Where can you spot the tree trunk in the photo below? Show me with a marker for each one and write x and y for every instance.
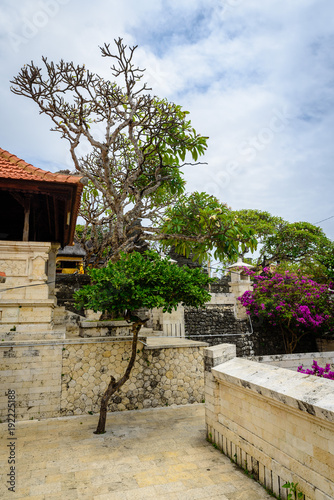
(115, 385)
(290, 339)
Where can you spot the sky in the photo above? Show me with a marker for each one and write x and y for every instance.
(257, 78)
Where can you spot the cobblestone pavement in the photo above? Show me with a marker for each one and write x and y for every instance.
(147, 454)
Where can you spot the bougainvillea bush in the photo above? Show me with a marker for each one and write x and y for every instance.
(317, 370)
(296, 304)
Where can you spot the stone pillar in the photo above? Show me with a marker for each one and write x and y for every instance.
(26, 301)
(214, 356)
(51, 270)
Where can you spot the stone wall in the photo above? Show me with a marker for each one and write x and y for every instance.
(277, 425)
(67, 377)
(217, 319)
(27, 296)
(34, 373)
(160, 377)
(216, 324)
(221, 285)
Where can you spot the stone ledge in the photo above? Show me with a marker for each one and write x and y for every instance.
(12, 338)
(28, 302)
(67, 341)
(96, 324)
(167, 342)
(104, 328)
(301, 392)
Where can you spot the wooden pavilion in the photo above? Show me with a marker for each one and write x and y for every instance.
(36, 205)
(38, 212)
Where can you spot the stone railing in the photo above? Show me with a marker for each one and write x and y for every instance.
(276, 425)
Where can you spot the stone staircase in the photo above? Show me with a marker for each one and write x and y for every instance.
(62, 318)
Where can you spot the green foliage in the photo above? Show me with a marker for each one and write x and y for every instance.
(143, 281)
(326, 259)
(293, 493)
(199, 224)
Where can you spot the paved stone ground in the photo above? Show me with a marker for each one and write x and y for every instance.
(147, 454)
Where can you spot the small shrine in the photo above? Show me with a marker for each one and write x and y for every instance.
(70, 259)
(240, 283)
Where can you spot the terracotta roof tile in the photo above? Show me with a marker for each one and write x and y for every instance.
(12, 167)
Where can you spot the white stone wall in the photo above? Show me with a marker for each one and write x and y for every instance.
(33, 371)
(277, 425)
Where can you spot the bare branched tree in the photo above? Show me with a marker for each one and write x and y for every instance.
(135, 145)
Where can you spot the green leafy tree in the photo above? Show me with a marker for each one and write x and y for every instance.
(198, 223)
(297, 245)
(135, 146)
(326, 259)
(138, 281)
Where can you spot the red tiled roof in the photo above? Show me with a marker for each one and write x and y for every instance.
(22, 176)
(12, 167)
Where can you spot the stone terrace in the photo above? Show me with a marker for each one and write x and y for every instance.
(146, 454)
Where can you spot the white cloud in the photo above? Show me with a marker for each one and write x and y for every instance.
(234, 64)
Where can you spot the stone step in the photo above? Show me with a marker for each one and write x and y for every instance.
(66, 319)
(150, 332)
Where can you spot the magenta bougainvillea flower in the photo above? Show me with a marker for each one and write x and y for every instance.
(297, 304)
(317, 370)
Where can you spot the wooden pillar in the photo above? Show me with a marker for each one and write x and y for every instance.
(26, 207)
(25, 202)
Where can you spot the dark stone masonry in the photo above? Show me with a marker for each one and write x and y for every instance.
(216, 324)
(66, 285)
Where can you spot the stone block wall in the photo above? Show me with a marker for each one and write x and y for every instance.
(66, 285)
(27, 299)
(67, 377)
(278, 426)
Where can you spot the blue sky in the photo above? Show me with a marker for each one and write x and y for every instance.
(257, 78)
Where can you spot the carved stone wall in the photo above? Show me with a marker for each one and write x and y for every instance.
(26, 298)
